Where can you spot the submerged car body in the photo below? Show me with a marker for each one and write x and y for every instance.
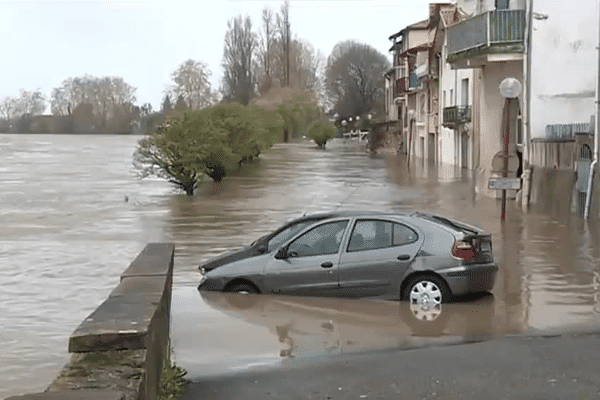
(415, 256)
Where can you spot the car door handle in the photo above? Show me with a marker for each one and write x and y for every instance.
(327, 264)
(404, 257)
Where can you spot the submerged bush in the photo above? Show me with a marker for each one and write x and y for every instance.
(321, 132)
(209, 142)
(184, 151)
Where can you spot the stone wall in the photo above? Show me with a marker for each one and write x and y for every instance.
(119, 350)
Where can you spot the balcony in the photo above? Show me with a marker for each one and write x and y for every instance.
(488, 37)
(456, 115)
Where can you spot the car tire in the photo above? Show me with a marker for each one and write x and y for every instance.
(243, 288)
(429, 288)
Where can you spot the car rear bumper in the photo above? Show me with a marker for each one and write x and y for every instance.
(471, 278)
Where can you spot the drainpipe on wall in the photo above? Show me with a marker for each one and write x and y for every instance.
(588, 197)
(526, 176)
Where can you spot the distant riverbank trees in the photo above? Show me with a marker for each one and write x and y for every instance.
(84, 104)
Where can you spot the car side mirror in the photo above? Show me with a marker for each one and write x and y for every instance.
(262, 248)
(281, 254)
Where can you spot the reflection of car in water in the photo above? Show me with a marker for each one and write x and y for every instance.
(313, 325)
(419, 257)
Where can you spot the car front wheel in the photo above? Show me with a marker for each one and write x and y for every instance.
(243, 288)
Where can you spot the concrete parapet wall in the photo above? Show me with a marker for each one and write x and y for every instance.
(552, 189)
(121, 347)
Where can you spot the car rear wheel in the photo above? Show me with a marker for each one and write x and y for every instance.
(243, 288)
(426, 292)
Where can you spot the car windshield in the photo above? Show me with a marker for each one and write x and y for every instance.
(287, 233)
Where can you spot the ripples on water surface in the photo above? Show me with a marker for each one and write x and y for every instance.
(73, 217)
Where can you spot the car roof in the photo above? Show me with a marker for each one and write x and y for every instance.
(350, 213)
(447, 223)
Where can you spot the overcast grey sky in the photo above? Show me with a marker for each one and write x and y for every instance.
(47, 41)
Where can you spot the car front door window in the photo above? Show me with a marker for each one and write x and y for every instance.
(287, 233)
(324, 239)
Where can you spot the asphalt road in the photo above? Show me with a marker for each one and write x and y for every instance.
(514, 367)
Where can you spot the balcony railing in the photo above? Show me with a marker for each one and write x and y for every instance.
(456, 115)
(493, 28)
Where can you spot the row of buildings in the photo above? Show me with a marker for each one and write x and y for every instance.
(444, 102)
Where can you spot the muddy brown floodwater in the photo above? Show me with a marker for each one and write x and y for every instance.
(73, 216)
(548, 278)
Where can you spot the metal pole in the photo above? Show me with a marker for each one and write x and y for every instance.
(588, 198)
(506, 137)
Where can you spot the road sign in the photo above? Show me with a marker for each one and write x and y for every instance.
(504, 183)
(498, 163)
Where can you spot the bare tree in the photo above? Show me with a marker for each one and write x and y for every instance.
(8, 107)
(285, 39)
(304, 64)
(265, 52)
(31, 102)
(192, 83)
(354, 77)
(240, 44)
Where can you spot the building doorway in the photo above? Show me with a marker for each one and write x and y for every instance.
(464, 150)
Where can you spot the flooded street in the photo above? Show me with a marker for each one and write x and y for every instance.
(74, 216)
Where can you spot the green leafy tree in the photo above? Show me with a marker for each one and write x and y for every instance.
(321, 132)
(184, 151)
(269, 124)
(244, 134)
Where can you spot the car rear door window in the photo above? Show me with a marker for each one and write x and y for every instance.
(370, 234)
(404, 235)
(323, 239)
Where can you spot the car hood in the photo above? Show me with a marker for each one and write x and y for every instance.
(228, 258)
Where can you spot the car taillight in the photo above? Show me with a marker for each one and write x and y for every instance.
(463, 250)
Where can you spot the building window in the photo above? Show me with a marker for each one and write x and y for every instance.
(502, 4)
(451, 100)
(464, 84)
(519, 127)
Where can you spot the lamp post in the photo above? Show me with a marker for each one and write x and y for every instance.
(510, 89)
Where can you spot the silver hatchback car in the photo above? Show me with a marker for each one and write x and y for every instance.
(423, 258)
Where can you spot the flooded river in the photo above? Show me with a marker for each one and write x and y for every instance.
(73, 216)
